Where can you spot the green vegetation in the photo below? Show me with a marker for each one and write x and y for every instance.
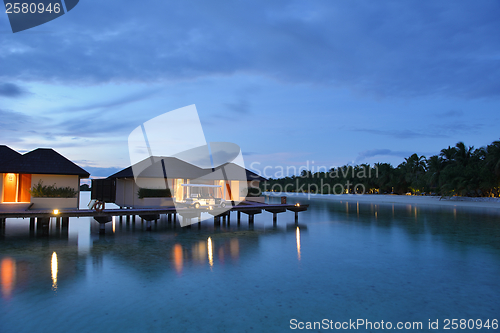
(85, 187)
(458, 170)
(153, 193)
(252, 192)
(51, 191)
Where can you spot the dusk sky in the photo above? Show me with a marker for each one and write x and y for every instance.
(333, 82)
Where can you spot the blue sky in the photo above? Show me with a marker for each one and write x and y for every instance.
(332, 82)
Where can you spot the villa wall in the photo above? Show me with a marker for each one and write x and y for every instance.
(59, 181)
(127, 194)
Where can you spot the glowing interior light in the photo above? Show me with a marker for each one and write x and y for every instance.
(210, 252)
(297, 204)
(56, 211)
(54, 268)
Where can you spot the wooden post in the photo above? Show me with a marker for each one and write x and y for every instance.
(32, 226)
(65, 227)
(275, 217)
(239, 217)
(228, 217)
(102, 228)
(2, 228)
(169, 219)
(148, 225)
(296, 217)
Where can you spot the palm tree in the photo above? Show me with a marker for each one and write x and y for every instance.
(448, 154)
(435, 164)
(463, 154)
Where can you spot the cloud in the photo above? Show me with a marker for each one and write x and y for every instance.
(403, 134)
(381, 152)
(14, 121)
(112, 103)
(388, 49)
(441, 130)
(249, 153)
(450, 114)
(101, 172)
(12, 90)
(241, 107)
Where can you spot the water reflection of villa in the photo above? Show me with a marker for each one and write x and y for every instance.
(169, 253)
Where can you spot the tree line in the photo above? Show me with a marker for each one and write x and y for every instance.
(458, 170)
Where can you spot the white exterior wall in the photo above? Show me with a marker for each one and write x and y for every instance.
(127, 194)
(59, 180)
(72, 181)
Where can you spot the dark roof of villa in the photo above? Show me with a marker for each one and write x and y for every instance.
(231, 171)
(7, 154)
(176, 168)
(152, 168)
(42, 161)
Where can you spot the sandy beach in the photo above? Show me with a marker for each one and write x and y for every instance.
(399, 199)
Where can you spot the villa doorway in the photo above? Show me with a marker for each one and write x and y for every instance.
(16, 187)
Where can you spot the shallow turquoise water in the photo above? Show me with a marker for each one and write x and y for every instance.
(344, 262)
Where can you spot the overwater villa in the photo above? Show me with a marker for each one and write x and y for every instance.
(229, 182)
(38, 180)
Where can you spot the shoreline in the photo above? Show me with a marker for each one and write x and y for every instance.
(397, 199)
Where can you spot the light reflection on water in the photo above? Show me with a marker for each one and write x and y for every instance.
(210, 252)
(386, 262)
(8, 273)
(53, 268)
(297, 237)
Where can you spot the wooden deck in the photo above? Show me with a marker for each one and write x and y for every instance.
(249, 208)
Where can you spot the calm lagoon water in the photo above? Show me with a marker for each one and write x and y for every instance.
(344, 261)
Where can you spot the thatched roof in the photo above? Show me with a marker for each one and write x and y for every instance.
(7, 154)
(41, 161)
(176, 168)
